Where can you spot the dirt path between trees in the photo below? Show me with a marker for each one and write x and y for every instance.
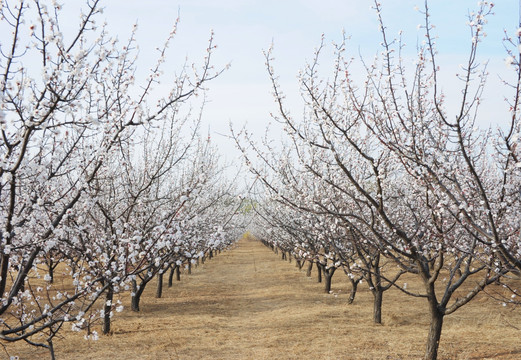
(248, 304)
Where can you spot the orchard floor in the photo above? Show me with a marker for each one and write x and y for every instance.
(246, 303)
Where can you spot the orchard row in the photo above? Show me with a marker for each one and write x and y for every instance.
(380, 177)
(102, 185)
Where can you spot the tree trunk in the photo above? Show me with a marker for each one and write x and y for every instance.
(159, 289)
(319, 273)
(433, 341)
(136, 295)
(328, 275)
(310, 267)
(51, 349)
(51, 271)
(354, 286)
(377, 307)
(327, 283)
(4, 272)
(171, 276)
(107, 309)
(190, 267)
(177, 273)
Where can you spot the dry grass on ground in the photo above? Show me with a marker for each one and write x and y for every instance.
(248, 304)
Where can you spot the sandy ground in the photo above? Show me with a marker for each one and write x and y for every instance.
(246, 303)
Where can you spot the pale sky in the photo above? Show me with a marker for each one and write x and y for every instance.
(244, 28)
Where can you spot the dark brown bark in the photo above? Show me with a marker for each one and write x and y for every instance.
(51, 271)
(354, 287)
(377, 306)
(107, 309)
(177, 273)
(51, 350)
(300, 264)
(136, 297)
(171, 276)
(159, 289)
(319, 273)
(310, 267)
(327, 282)
(4, 266)
(433, 341)
(328, 276)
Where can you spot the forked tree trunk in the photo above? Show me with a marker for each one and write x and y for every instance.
(328, 275)
(159, 289)
(107, 309)
(310, 267)
(136, 295)
(300, 264)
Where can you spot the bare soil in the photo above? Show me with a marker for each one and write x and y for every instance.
(246, 303)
